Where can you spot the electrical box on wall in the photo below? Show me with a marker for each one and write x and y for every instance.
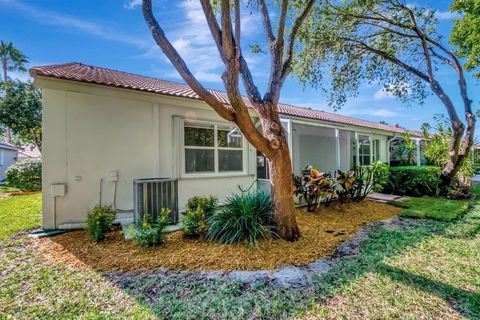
(58, 189)
(113, 175)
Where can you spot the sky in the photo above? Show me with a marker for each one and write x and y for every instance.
(113, 34)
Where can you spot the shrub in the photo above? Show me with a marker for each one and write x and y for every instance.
(208, 204)
(312, 186)
(25, 175)
(357, 183)
(194, 223)
(99, 222)
(151, 233)
(244, 218)
(414, 181)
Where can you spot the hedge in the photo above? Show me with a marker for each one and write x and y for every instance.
(25, 175)
(414, 181)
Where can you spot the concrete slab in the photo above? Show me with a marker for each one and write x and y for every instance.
(382, 196)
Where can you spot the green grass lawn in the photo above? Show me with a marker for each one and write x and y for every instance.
(18, 213)
(428, 269)
(4, 189)
(433, 208)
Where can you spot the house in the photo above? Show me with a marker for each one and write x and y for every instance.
(8, 156)
(103, 129)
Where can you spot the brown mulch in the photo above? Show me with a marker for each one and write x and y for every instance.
(321, 233)
(20, 193)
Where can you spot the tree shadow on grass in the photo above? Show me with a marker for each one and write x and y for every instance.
(463, 301)
(196, 296)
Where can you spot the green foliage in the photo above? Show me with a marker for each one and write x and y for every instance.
(244, 218)
(433, 208)
(437, 148)
(405, 152)
(21, 110)
(414, 181)
(381, 174)
(314, 186)
(25, 175)
(208, 204)
(194, 223)
(99, 222)
(357, 183)
(150, 233)
(12, 58)
(466, 32)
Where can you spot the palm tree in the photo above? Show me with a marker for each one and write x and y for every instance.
(425, 127)
(12, 60)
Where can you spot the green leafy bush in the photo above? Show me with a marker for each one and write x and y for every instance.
(194, 223)
(151, 233)
(99, 222)
(208, 204)
(314, 186)
(414, 181)
(357, 183)
(194, 220)
(25, 175)
(244, 218)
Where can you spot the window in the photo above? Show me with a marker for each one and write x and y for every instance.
(262, 166)
(1, 158)
(212, 148)
(364, 150)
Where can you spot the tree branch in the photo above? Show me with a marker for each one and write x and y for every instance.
(286, 68)
(267, 24)
(180, 65)
(213, 26)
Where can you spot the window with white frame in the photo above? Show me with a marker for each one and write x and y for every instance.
(364, 146)
(213, 148)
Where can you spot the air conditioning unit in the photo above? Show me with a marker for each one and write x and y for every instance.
(151, 195)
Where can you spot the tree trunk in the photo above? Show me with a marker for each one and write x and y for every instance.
(282, 201)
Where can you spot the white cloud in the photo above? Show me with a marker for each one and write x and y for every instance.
(132, 4)
(69, 22)
(381, 94)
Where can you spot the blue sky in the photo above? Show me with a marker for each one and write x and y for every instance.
(112, 33)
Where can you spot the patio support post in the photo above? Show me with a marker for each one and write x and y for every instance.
(418, 152)
(337, 147)
(357, 150)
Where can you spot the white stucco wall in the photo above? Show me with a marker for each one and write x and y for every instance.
(7, 158)
(90, 132)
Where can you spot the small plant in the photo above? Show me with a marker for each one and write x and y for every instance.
(414, 181)
(313, 186)
(244, 218)
(357, 183)
(208, 204)
(194, 223)
(25, 175)
(151, 233)
(99, 222)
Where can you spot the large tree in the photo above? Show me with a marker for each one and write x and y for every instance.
(21, 110)
(272, 141)
(12, 60)
(466, 33)
(393, 44)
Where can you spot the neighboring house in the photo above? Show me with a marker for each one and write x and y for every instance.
(27, 152)
(104, 128)
(8, 156)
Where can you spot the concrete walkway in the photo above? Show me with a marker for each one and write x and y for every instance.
(381, 197)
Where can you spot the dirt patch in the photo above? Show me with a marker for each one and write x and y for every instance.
(321, 234)
(19, 193)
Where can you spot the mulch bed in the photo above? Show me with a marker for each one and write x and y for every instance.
(321, 234)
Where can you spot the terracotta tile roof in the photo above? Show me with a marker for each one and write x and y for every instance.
(86, 73)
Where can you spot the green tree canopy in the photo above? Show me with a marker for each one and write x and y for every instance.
(466, 33)
(386, 42)
(21, 110)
